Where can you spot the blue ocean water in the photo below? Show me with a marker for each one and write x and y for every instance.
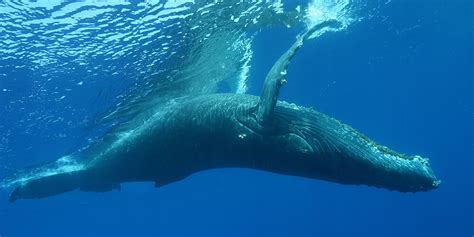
(400, 72)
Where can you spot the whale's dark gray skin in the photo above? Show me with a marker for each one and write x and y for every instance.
(197, 133)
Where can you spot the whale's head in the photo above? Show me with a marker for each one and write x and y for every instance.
(304, 142)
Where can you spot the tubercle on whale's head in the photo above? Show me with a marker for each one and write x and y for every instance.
(318, 146)
(433, 182)
(397, 171)
(417, 173)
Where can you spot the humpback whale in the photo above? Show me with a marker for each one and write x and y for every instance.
(195, 133)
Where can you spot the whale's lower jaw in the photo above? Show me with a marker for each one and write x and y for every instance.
(410, 176)
(414, 176)
(395, 175)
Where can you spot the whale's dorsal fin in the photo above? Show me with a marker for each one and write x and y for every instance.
(276, 77)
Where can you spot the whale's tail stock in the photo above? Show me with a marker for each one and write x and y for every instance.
(55, 184)
(63, 175)
(47, 186)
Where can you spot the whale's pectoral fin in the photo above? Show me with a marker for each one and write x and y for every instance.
(276, 77)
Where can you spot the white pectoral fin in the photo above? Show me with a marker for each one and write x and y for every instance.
(276, 77)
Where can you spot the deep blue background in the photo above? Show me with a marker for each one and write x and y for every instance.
(406, 82)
